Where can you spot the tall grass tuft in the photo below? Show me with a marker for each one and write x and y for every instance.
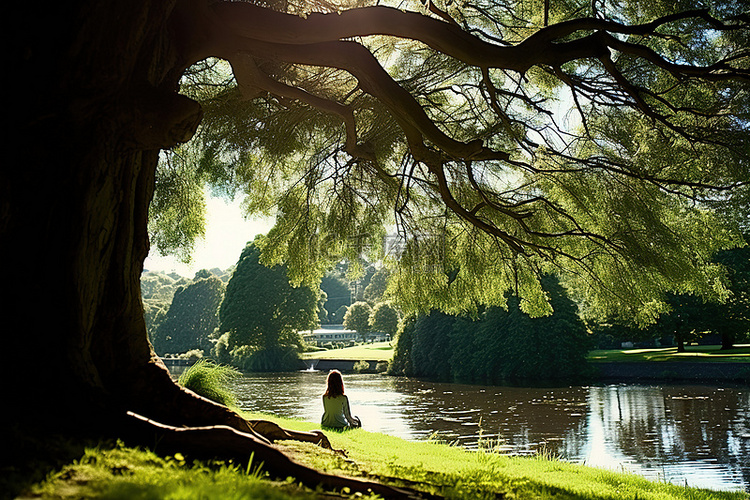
(210, 380)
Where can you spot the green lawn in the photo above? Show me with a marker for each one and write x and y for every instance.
(741, 353)
(383, 351)
(115, 472)
(377, 351)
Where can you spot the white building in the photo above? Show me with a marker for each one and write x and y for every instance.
(331, 333)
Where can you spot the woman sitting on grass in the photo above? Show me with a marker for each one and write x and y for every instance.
(336, 412)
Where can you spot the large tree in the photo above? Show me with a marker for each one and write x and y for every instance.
(357, 318)
(192, 316)
(263, 313)
(443, 114)
(384, 318)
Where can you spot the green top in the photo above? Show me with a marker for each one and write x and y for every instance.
(336, 412)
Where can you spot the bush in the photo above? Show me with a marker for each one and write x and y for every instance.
(274, 359)
(401, 364)
(221, 349)
(314, 348)
(361, 366)
(192, 354)
(210, 381)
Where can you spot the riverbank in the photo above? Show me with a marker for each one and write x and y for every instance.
(692, 354)
(436, 468)
(376, 351)
(697, 363)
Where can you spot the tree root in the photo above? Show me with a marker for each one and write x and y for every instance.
(273, 432)
(224, 442)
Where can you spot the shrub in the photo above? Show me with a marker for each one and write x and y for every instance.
(361, 366)
(192, 354)
(274, 359)
(210, 381)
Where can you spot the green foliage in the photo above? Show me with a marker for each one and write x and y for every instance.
(498, 346)
(690, 318)
(664, 241)
(732, 319)
(192, 316)
(338, 316)
(154, 313)
(262, 313)
(430, 350)
(357, 318)
(194, 354)
(157, 292)
(489, 186)
(384, 318)
(211, 381)
(281, 358)
(377, 286)
(337, 293)
(361, 366)
(401, 364)
(177, 214)
(161, 286)
(322, 311)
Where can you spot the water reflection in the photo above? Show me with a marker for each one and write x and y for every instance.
(698, 435)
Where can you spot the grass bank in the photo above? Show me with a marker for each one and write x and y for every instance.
(377, 351)
(703, 353)
(118, 473)
(383, 351)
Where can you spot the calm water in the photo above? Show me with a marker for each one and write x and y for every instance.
(699, 435)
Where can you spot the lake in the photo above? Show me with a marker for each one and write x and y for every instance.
(683, 434)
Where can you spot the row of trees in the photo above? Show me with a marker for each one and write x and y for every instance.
(691, 319)
(250, 318)
(497, 344)
(500, 344)
(366, 320)
(341, 290)
(191, 316)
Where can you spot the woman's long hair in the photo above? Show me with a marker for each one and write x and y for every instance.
(334, 384)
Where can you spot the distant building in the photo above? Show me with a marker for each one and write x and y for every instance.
(331, 333)
(336, 334)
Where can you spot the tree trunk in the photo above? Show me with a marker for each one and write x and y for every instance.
(93, 100)
(679, 338)
(727, 340)
(75, 200)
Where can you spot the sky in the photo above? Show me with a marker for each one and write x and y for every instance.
(227, 233)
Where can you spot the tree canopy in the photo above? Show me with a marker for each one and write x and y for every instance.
(384, 318)
(498, 345)
(192, 316)
(262, 312)
(357, 318)
(500, 140)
